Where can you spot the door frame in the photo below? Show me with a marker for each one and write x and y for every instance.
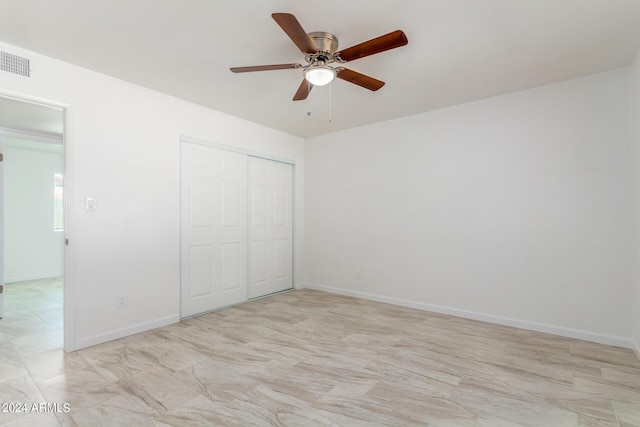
(68, 282)
(240, 150)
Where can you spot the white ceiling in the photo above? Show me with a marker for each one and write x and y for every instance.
(458, 51)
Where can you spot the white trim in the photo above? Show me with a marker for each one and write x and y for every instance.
(121, 333)
(68, 278)
(483, 317)
(31, 136)
(38, 100)
(293, 226)
(180, 154)
(234, 149)
(32, 277)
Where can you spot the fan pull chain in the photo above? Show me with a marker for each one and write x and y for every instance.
(330, 103)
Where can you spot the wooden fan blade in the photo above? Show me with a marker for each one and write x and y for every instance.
(386, 42)
(303, 90)
(294, 30)
(359, 79)
(264, 68)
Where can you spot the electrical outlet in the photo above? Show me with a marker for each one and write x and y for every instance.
(122, 301)
(358, 274)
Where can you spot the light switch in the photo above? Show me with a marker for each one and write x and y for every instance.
(90, 204)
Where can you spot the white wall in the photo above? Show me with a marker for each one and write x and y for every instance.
(33, 249)
(514, 209)
(636, 157)
(123, 147)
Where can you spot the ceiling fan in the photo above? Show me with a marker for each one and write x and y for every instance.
(320, 49)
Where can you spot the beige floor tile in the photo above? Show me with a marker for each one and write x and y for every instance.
(308, 358)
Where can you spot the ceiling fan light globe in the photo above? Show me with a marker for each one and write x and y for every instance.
(319, 75)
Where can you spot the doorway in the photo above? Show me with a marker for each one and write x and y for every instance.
(32, 232)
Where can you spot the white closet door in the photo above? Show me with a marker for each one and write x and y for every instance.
(214, 229)
(270, 226)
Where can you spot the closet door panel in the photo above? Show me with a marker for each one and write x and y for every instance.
(270, 226)
(213, 229)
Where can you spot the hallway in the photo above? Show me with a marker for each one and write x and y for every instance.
(33, 317)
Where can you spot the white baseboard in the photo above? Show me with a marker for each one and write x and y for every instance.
(484, 317)
(32, 277)
(121, 333)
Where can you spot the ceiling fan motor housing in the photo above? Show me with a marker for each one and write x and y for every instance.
(326, 45)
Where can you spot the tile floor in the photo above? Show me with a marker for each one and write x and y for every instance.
(307, 358)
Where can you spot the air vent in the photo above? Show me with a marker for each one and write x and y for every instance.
(14, 64)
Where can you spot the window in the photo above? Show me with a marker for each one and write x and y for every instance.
(58, 223)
